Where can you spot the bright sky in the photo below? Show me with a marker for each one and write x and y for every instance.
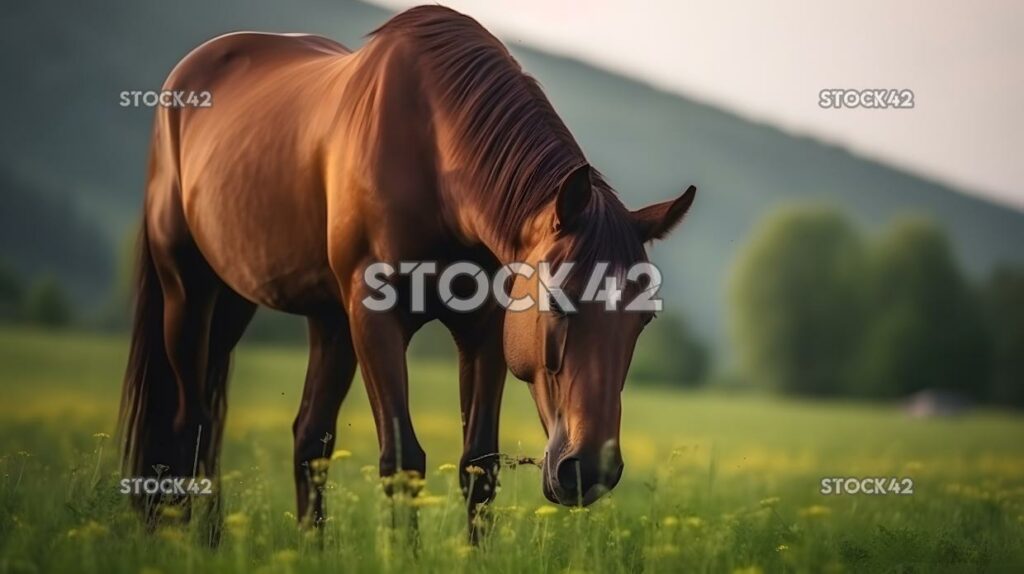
(964, 61)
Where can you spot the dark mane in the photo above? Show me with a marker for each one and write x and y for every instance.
(518, 151)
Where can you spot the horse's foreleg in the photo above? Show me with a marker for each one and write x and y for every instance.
(380, 340)
(332, 364)
(482, 371)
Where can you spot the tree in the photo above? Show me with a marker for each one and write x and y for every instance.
(796, 309)
(926, 330)
(117, 312)
(11, 294)
(47, 305)
(669, 352)
(1004, 306)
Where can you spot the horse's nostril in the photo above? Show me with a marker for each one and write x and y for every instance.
(579, 481)
(569, 474)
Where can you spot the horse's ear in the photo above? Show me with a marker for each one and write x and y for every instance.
(656, 221)
(573, 197)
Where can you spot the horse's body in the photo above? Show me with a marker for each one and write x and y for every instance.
(300, 128)
(428, 144)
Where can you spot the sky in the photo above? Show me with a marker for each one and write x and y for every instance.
(768, 61)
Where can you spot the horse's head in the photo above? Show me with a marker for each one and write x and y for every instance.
(576, 356)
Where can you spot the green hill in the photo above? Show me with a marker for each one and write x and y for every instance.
(45, 235)
(69, 137)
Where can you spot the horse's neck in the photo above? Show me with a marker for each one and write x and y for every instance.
(475, 222)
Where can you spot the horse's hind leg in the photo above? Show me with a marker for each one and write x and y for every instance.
(332, 364)
(198, 353)
(190, 291)
(231, 315)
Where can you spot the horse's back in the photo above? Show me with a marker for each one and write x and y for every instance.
(246, 169)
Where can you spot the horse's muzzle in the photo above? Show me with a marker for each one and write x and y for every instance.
(576, 479)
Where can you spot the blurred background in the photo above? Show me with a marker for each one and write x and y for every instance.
(870, 254)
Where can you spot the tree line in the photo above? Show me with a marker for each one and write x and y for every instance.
(819, 308)
(41, 302)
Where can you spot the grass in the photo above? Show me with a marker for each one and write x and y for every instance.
(718, 483)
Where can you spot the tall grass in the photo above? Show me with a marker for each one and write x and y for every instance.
(712, 484)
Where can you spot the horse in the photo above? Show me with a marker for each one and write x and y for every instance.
(315, 162)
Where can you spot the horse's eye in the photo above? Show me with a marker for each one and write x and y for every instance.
(555, 307)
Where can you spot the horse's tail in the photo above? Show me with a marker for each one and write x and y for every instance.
(149, 397)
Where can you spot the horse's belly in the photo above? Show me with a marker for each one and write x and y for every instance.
(267, 248)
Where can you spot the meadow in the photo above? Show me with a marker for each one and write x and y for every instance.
(714, 482)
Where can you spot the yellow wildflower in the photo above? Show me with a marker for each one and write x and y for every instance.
(422, 501)
(172, 512)
(546, 510)
(286, 556)
(662, 550)
(236, 520)
(91, 529)
(815, 511)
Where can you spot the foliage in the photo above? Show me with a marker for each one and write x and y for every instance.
(117, 312)
(12, 294)
(816, 311)
(1004, 302)
(44, 232)
(796, 314)
(926, 329)
(669, 352)
(46, 304)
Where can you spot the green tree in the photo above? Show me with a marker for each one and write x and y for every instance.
(47, 305)
(926, 328)
(796, 310)
(669, 352)
(1004, 305)
(117, 313)
(12, 294)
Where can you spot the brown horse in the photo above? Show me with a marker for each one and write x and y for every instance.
(314, 162)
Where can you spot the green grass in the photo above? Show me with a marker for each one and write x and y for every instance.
(713, 482)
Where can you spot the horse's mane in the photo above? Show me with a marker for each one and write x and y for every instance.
(516, 148)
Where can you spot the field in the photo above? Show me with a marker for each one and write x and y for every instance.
(714, 482)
